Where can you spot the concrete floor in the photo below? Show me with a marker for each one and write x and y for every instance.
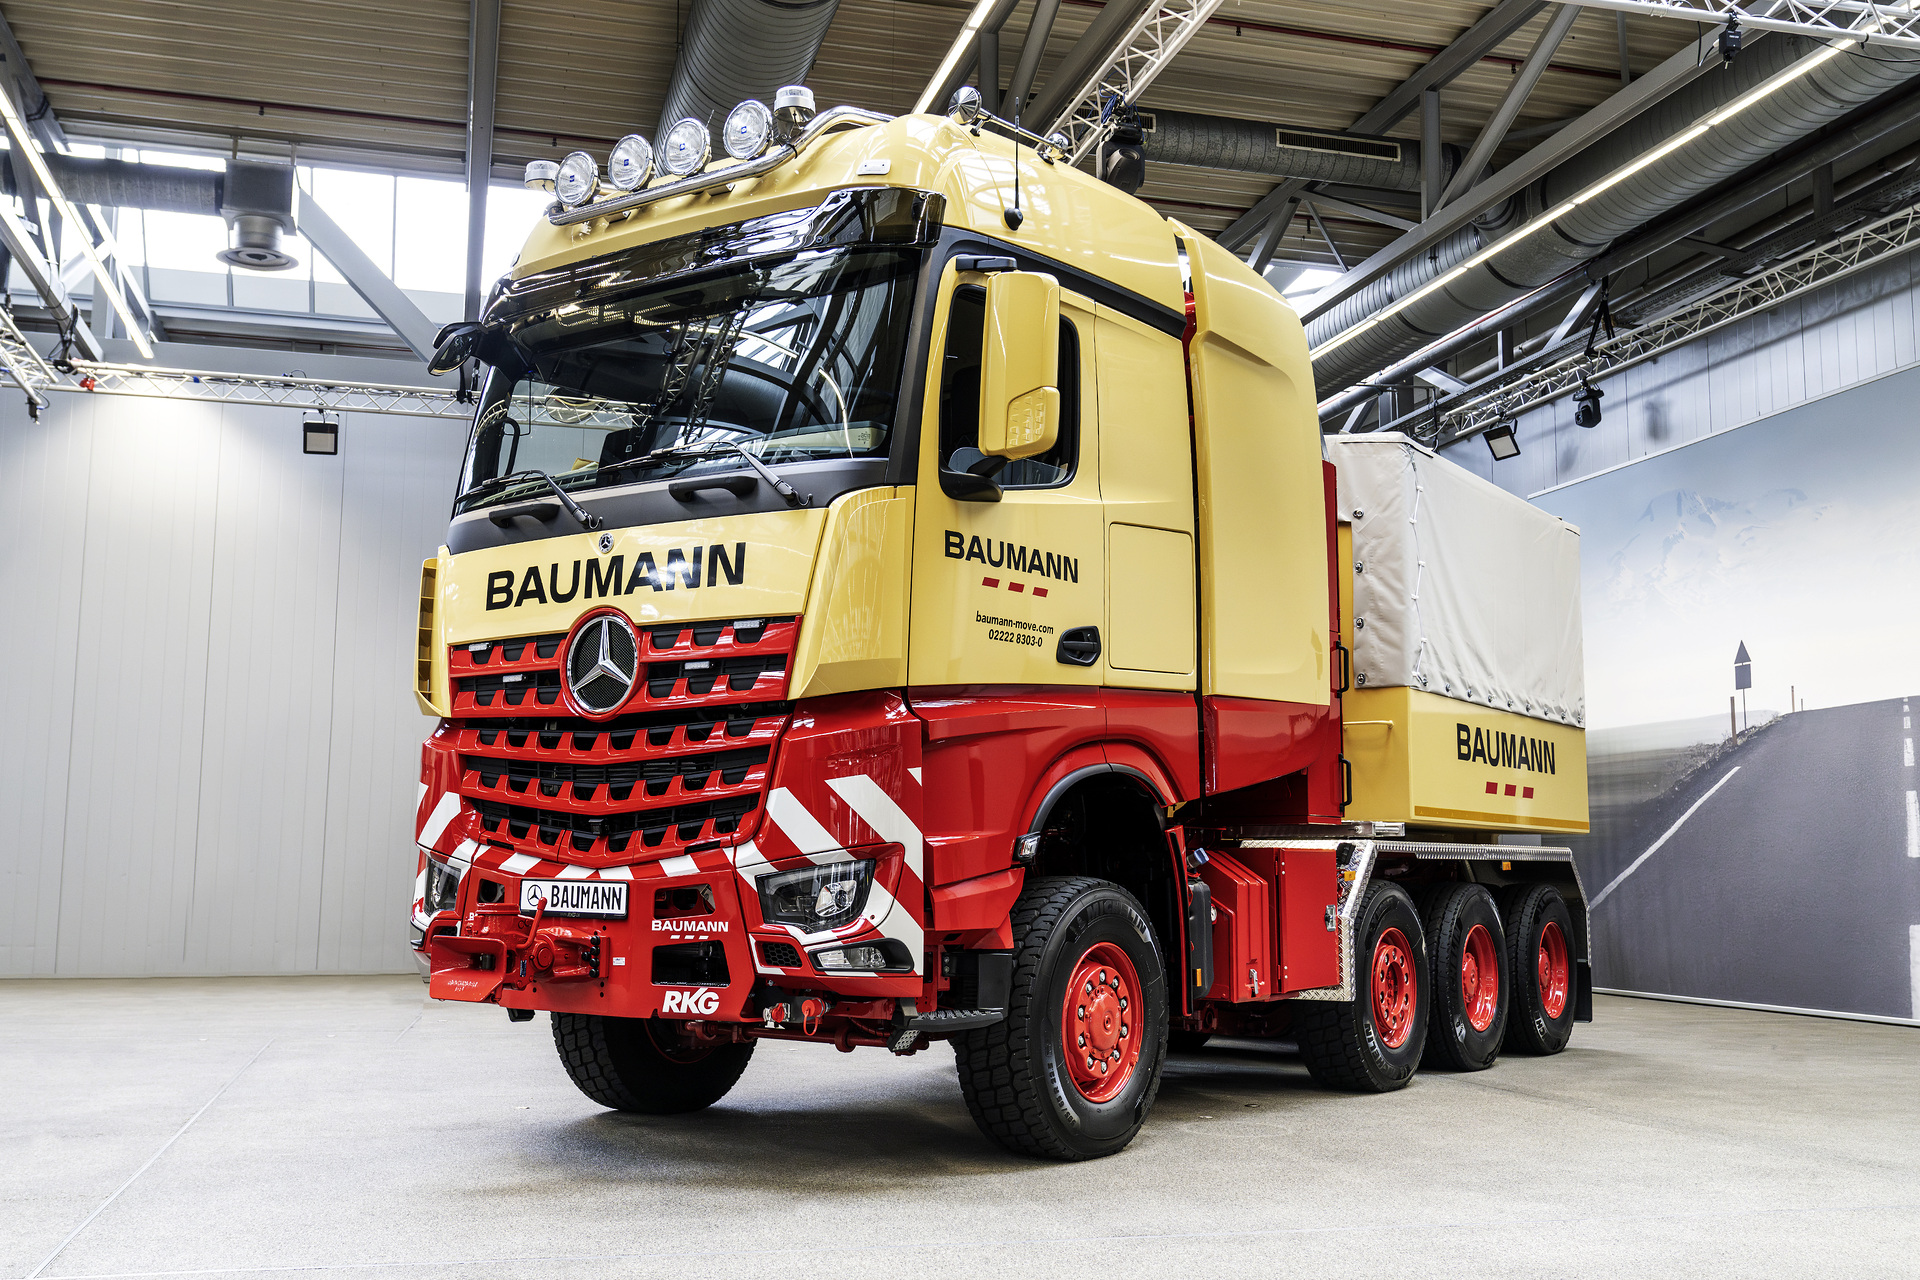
(240, 1127)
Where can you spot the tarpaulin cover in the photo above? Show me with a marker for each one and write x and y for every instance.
(1459, 588)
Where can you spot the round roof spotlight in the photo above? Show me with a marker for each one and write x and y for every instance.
(540, 175)
(685, 148)
(629, 162)
(579, 175)
(748, 129)
(792, 110)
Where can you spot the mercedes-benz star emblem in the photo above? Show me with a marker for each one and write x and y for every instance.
(606, 543)
(601, 663)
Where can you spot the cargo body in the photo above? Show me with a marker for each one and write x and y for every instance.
(868, 622)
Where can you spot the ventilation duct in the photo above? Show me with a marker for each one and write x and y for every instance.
(1282, 151)
(1795, 110)
(255, 199)
(731, 50)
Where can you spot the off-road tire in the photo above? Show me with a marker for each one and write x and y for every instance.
(1179, 1041)
(620, 1063)
(1449, 915)
(1013, 1074)
(1340, 1043)
(1528, 910)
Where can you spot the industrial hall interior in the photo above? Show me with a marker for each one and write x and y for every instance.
(678, 638)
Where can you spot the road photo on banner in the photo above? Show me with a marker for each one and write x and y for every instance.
(1749, 682)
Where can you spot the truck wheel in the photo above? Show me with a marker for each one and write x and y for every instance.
(1072, 1070)
(1467, 956)
(1540, 960)
(643, 1064)
(1372, 1043)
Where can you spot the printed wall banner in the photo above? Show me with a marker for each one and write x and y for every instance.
(1778, 865)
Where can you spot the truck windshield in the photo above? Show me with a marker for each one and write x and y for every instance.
(793, 359)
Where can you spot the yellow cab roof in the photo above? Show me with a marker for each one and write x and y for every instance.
(1071, 216)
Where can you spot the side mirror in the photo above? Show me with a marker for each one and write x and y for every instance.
(454, 345)
(1020, 365)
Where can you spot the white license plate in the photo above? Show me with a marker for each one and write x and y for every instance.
(600, 899)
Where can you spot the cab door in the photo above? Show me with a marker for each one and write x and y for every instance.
(997, 586)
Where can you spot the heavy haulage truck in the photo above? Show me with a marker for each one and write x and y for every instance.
(898, 592)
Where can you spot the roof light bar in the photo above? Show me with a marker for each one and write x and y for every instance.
(23, 142)
(1758, 93)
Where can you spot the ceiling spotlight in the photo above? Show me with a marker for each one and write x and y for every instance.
(1500, 441)
(540, 175)
(685, 148)
(629, 162)
(1730, 37)
(748, 129)
(1588, 400)
(579, 175)
(317, 435)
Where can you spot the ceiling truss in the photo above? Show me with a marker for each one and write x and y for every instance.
(1855, 251)
(1895, 24)
(1150, 44)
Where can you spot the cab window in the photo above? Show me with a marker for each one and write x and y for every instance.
(960, 396)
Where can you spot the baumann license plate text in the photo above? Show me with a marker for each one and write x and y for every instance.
(602, 899)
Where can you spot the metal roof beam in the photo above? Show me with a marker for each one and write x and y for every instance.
(1471, 45)
(1518, 91)
(483, 75)
(368, 280)
(1337, 205)
(1039, 28)
(1609, 115)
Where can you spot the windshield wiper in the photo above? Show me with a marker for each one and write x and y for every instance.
(792, 497)
(587, 519)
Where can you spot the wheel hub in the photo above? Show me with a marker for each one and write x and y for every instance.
(1553, 970)
(1393, 988)
(1479, 978)
(1099, 1022)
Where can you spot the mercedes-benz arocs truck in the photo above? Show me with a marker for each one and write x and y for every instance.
(897, 591)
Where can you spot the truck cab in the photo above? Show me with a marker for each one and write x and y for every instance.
(893, 594)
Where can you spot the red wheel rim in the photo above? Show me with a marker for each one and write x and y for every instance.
(1100, 1024)
(1553, 970)
(1479, 978)
(1393, 988)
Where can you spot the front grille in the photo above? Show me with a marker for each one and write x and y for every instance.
(686, 762)
(688, 823)
(694, 773)
(691, 664)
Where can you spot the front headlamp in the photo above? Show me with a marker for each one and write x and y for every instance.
(887, 956)
(629, 162)
(443, 887)
(685, 148)
(578, 176)
(816, 898)
(747, 130)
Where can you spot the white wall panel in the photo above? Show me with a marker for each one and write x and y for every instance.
(211, 741)
(1851, 332)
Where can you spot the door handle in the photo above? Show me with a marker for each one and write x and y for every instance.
(1079, 647)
